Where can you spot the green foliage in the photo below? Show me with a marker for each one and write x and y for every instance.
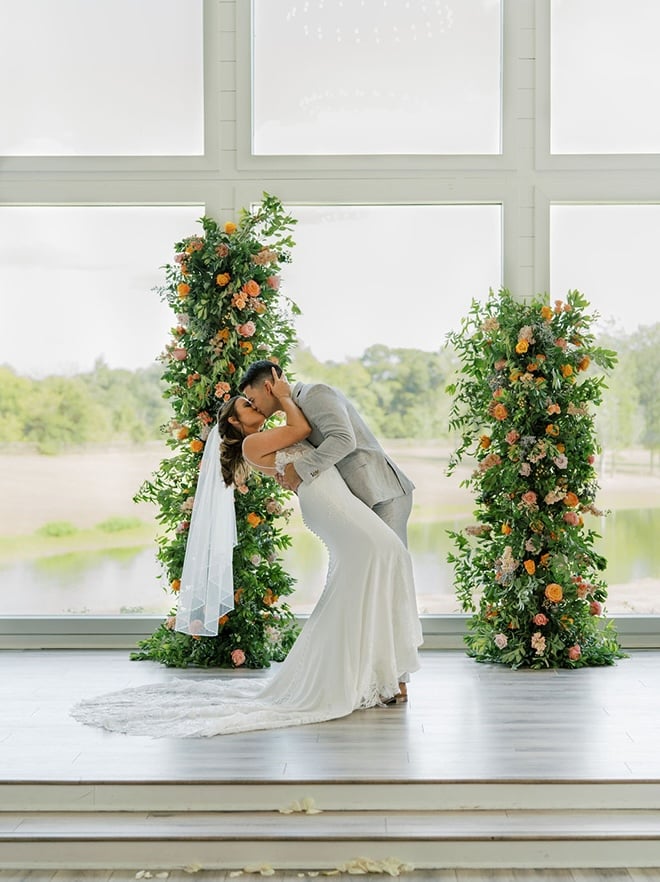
(223, 287)
(118, 524)
(523, 407)
(57, 529)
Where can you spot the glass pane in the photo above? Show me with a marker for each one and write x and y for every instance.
(605, 76)
(379, 288)
(610, 254)
(109, 77)
(376, 77)
(80, 405)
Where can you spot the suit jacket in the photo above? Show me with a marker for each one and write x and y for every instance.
(342, 438)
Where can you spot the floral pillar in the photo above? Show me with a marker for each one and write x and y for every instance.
(523, 407)
(223, 287)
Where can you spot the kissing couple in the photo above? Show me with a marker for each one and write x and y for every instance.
(360, 643)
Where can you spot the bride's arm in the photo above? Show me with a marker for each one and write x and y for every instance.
(262, 444)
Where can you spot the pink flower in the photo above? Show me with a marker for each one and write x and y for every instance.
(561, 461)
(180, 257)
(501, 640)
(529, 498)
(238, 657)
(273, 282)
(591, 459)
(500, 364)
(512, 436)
(179, 353)
(574, 652)
(222, 250)
(243, 489)
(540, 619)
(560, 342)
(572, 518)
(247, 330)
(582, 590)
(595, 608)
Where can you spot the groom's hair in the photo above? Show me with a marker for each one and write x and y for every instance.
(258, 372)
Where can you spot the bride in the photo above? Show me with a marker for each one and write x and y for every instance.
(358, 644)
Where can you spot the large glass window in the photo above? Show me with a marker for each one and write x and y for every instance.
(81, 405)
(605, 76)
(609, 253)
(108, 77)
(376, 77)
(379, 288)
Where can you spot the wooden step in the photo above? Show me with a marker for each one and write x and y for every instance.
(230, 840)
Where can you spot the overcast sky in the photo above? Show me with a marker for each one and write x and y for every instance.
(76, 283)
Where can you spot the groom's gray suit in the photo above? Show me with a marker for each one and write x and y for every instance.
(342, 438)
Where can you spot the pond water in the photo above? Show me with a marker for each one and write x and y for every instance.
(125, 580)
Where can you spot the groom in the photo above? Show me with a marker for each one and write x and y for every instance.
(341, 438)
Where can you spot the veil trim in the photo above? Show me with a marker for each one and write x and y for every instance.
(207, 580)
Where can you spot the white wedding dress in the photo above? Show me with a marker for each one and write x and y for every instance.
(360, 641)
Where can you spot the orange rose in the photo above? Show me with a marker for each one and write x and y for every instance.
(584, 363)
(500, 412)
(222, 621)
(183, 290)
(506, 529)
(561, 448)
(546, 313)
(571, 500)
(554, 592)
(522, 346)
(175, 584)
(223, 279)
(251, 288)
(544, 559)
(196, 445)
(253, 519)
(484, 442)
(246, 346)
(230, 228)
(566, 370)
(514, 376)
(551, 429)
(530, 566)
(183, 433)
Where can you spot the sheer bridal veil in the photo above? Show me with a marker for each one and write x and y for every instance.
(207, 580)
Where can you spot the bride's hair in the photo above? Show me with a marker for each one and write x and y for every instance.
(232, 464)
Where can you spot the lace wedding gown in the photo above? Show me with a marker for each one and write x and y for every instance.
(358, 643)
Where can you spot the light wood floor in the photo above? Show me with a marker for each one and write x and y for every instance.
(464, 721)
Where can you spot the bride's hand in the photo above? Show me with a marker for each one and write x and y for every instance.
(280, 386)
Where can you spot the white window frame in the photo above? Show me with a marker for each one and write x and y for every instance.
(525, 180)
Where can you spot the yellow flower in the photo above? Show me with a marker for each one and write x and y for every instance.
(522, 346)
(196, 445)
(175, 584)
(223, 279)
(530, 566)
(230, 227)
(253, 519)
(183, 290)
(566, 370)
(546, 313)
(484, 442)
(506, 529)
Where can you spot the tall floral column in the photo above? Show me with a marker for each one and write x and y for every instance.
(524, 407)
(223, 287)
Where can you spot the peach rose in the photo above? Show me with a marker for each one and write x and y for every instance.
(540, 619)
(574, 652)
(571, 518)
(247, 329)
(238, 657)
(251, 288)
(223, 279)
(595, 608)
(554, 592)
(179, 353)
(196, 445)
(500, 412)
(273, 282)
(183, 290)
(571, 499)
